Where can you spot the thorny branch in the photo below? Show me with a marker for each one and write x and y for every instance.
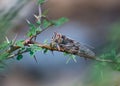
(51, 48)
(59, 43)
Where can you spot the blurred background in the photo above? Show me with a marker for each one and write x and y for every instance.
(91, 22)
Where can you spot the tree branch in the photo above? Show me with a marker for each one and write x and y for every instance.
(47, 46)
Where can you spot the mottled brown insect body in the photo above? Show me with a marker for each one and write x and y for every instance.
(61, 41)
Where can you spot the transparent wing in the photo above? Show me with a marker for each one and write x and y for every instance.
(86, 50)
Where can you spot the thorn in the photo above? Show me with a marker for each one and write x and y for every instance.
(52, 52)
(7, 39)
(40, 11)
(35, 59)
(15, 38)
(35, 38)
(28, 21)
(37, 17)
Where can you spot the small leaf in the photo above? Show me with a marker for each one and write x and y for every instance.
(45, 51)
(32, 53)
(31, 32)
(19, 57)
(38, 22)
(35, 48)
(4, 45)
(4, 56)
(46, 23)
(20, 43)
(38, 29)
(65, 54)
(41, 1)
(33, 29)
(60, 21)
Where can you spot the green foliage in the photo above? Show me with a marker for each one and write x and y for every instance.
(33, 49)
(4, 46)
(45, 51)
(60, 21)
(111, 54)
(38, 22)
(20, 43)
(41, 1)
(65, 54)
(32, 29)
(46, 23)
(32, 53)
(19, 57)
(7, 16)
(115, 32)
(100, 72)
(4, 55)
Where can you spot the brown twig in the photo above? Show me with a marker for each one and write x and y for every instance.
(46, 46)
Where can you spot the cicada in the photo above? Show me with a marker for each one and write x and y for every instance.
(60, 41)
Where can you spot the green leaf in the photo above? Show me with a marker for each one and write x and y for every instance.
(20, 43)
(19, 57)
(4, 56)
(33, 29)
(31, 32)
(60, 21)
(46, 23)
(45, 51)
(4, 46)
(41, 1)
(65, 54)
(38, 22)
(38, 29)
(35, 48)
(32, 53)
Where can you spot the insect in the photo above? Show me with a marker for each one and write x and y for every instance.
(60, 41)
(56, 40)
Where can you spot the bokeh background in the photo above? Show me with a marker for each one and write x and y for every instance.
(91, 22)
